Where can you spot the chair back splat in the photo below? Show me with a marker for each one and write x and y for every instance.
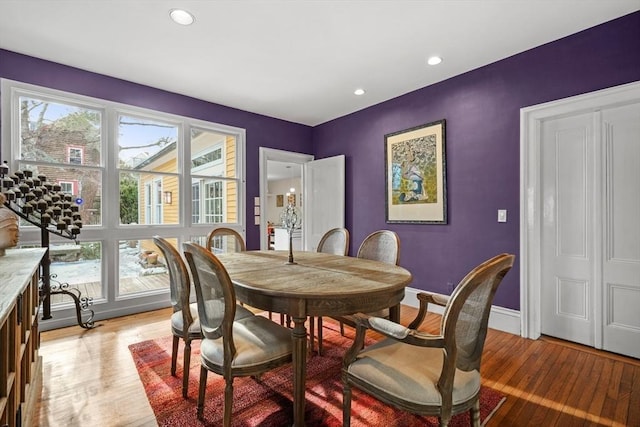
(223, 239)
(335, 241)
(381, 245)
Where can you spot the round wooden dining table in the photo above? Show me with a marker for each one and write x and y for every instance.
(318, 284)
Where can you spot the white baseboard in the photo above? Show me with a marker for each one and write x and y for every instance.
(502, 319)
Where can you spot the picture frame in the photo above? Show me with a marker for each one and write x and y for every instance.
(415, 175)
(279, 200)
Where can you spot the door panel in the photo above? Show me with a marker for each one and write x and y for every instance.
(621, 264)
(324, 204)
(567, 274)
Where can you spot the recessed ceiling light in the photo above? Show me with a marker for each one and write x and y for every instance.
(434, 60)
(358, 92)
(182, 17)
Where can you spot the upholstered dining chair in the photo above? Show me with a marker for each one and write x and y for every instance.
(230, 347)
(426, 374)
(184, 320)
(223, 239)
(381, 245)
(334, 241)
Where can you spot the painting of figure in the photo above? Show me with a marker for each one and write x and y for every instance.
(416, 175)
(414, 171)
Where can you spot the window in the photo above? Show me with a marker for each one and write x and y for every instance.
(75, 156)
(208, 158)
(68, 187)
(213, 212)
(64, 137)
(195, 203)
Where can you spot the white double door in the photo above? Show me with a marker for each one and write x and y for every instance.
(590, 228)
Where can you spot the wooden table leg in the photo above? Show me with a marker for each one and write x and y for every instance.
(394, 313)
(299, 337)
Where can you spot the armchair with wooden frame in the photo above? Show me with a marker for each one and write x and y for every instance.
(426, 374)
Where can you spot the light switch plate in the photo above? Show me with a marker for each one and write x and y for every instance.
(502, 215)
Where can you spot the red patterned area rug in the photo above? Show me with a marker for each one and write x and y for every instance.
(268, 403)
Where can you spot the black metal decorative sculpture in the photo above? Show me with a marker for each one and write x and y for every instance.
(46, 206)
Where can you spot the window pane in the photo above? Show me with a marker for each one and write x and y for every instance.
(54, 132)
(214, 200)
(213, 154)
(147, 198)
(85, 185)
(147, 145)
(142, 267)
(79, 266)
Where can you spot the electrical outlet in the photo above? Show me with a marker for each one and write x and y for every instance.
(502, 215)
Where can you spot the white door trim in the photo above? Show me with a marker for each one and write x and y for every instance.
(281, 156)
(530, 190)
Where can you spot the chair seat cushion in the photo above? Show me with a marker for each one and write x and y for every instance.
(258, 340)
(177, 322)
(411, 373)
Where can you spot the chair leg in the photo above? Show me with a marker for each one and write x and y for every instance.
(174, 354)
(346, 405)
(319, 336)
(185, 368)
(201, 390)
(228, 401)
(475, 413)
(312, 336)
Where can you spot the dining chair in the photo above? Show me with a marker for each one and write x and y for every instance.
(334, 241)
(383, 246)
(184, 320)
(421, 373)
(223, 239)
(230, 347)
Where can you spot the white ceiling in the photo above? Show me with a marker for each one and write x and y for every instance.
(295, 60)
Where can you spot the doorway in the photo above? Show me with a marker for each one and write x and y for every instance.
(580, 250)
(282, 168)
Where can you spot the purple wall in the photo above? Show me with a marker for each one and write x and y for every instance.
(482, 112)
(261, 131)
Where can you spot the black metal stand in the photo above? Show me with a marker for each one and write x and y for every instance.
(47, 289)
(46, 206)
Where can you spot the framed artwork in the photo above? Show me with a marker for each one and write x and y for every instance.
(279, 200)
(415, 175)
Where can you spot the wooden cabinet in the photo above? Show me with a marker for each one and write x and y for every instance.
(20, 363)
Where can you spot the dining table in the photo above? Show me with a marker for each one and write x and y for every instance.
(315, 284)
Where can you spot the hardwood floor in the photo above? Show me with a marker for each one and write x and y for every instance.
(90, 378)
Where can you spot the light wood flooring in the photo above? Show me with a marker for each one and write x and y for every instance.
(90, 378)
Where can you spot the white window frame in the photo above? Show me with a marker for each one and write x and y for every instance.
(110, 233)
